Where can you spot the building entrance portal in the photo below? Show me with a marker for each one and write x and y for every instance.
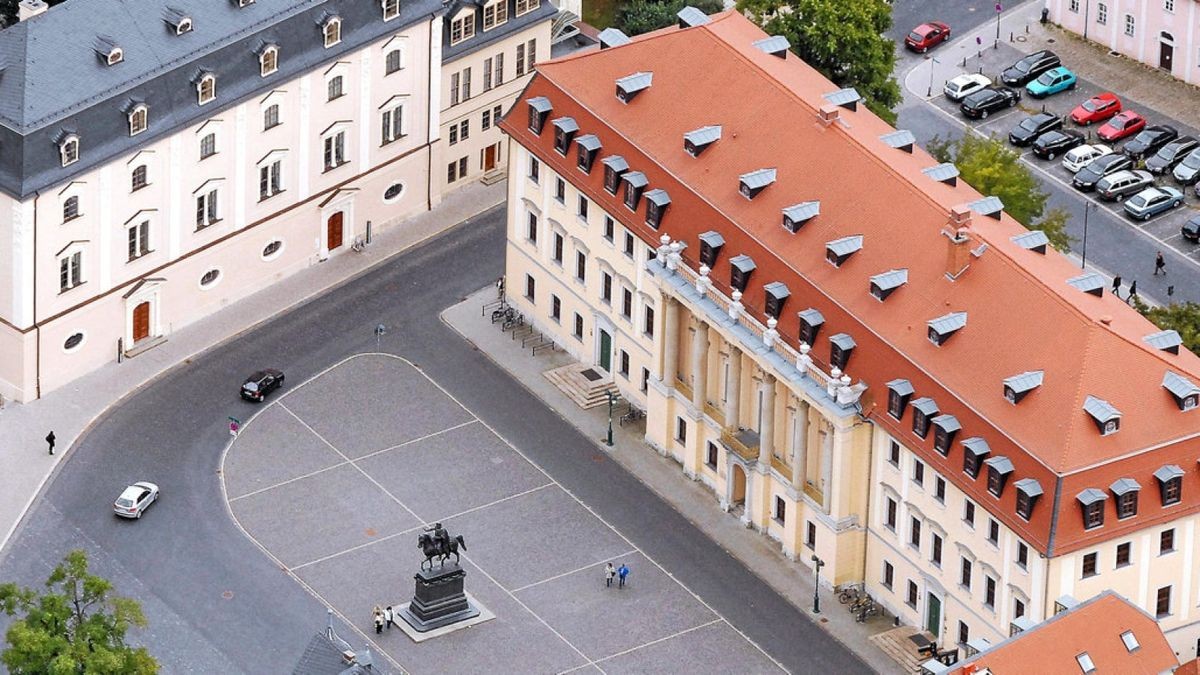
(141, 322)
(333, 231)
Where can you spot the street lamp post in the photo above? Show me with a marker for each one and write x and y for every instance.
(818, 564)
(999, 8)
(932, 66)
(1087, 207)
(612, 399)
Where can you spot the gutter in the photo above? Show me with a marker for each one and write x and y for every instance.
(37, 359)
(1058, 484)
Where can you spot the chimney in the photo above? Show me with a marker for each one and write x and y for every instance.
(960, 216)
(958, 254)
(27, 9)
(828, 114)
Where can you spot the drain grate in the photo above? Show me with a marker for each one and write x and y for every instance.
(591, 375)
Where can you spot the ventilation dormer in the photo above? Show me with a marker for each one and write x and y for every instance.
(839, 251)
(841, 346)
(847, 98)
(776, 296)
(943, 327)
(1167, 341)
(107, 50)
(1033, 240)
(565, 129)
(1106, 417)
(635, 184)
(630, 86)
(796, 215)
(811, 321)
(988, 206)
(900, 391)
(539, 110)
(900, 139)
(750, 184)
(711, 243)
(776, 45)
(883, 285)
(179, 21)
(740, 269)
(943, 173)
(611, 37)
(1090, 283)
(1184, 391)
(690, 17)
(1018, 387)
(697, 141)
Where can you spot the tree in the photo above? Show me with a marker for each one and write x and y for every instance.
(843, 39)
(1182, 318)
(992, 168)
(642, 16)
(75, 626)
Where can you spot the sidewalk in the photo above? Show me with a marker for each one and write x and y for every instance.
(71, 410)
(662, 475)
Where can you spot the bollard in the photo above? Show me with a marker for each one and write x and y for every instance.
(1010, 36)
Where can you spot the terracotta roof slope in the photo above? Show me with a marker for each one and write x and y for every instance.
(1022, 313)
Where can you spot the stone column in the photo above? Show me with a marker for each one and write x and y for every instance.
(827, 468)
(733, 395)
(800, 452)
(700, 365)
(670, 342)
(766, 434)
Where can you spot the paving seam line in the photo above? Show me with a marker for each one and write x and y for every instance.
(577, 570)
(651, 643)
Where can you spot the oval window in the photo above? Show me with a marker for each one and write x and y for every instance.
(272, 249)
(73, 342)
(394, 192)
(210, 277)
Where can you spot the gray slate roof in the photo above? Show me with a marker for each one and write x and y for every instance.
(659, 196)
(616, 163)
(1090, 282)
(1168, 472)
(743, 262)
(843, 341)
(812, 316)
(567, 125)
(948, 423)
(589, 142)
(1030, 486)
(901, 386)
(636, 179)
(611, 37)
(773, 44)
(988, 206)
(1123, 485)
(843, 97)
(1100, 409)
(691, 16)
(704, 135)
(926, 405)
(777, 289)
(1000, 463)
(977, 446)
(1091, 496)
(635, 82)
(942, 172)
(890, 279)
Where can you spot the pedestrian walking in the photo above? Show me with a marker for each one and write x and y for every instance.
(1160, 264)
(622, 572)
(1132, 291)
(378, 617)
(1117, 286)
(50, 441)
(609, 573)
(389, 617)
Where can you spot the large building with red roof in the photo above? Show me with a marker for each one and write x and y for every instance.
(863, 357)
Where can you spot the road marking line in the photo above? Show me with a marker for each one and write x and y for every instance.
(417, 440)
(481, 507)
(579, 569)
(648, 644)
(288, 481)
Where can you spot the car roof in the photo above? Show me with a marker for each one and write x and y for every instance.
(924, 27)
(133, 490)
(1058, 70)
(1043, 116)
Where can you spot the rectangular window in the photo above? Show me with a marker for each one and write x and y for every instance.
(1123, 554)
(1169, 5)
(889, 517)
(993, 536)
(392, 124)
(629, 245)
(499, 71)
(1127, 504)
(1129, 25)
(464, 130)
(914, 532)
(583, 207)
(462, 28)
(452, 172)
(780, 513)
(627, 303)
(334, 88)
(206, 209)
(1166, 541)
(1022, 555)
(520, 60)
(646, 385)
(894, 454)
(531, 232)
(1093, 515)
(208, 146)
(558, 248)
(964, 633)
(555, 309)
(1101, 13)
(335, 150)
(560, 190)
(1073, 6)
(939, 489)
(271, 117)
(1018, 608)
(269, 183)
(462, 167)
(466, 84)
(1089, 565)
(453, 134)
(581, 266)
(606, 287)
(989, 592)
(531, 50)
(527, 6)
(710, 458)
(531, 290)
(912, 594)
(680, 430)
(454, 78)
(609, 228)
(624, 364)
(889, 575)
(648, 322)
(964, 574)
(534, 169)
(918, 472)
(486, 122)
(70, 271)
(935, 555)
(487, 74)
(969, 513)
(139, 240)
(578, 327)
(1162, 604)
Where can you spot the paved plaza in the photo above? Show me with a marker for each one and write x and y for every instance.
(336, 477)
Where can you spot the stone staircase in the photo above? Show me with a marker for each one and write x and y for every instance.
(897, 643)
(493, 176)
(587, 386)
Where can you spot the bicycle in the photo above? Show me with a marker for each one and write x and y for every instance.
(862, 601)
(359, 244)
(850, 592)
(632, 415)
(868, 609)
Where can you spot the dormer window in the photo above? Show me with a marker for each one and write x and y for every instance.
(777, 294)
(1106, 417)
(615, 167)
(796, 215)
(711, 243)
(696, 142)
(975, 452)
(1033, 240)
(268, 60)
(776, 45)
(899, 393)
(391, 9)
(1167, 341)
(1018, 387)
(1125, 490)
(924, 410)
(495, 13)
(635, 183)
(1170, 484)
(1183, 390)
(331, 30)
(206, 88)
(945, 428)
(900, 139)
(524, 6)
(740, 269)
(462, 28)
(587, 147)
(839, 251)
(244, 3)
(841, 346)
(941, 328)
(1091, 283)
(811, 321)
(883, 285)
(750, 184)
(138, 119)
(539, 110)
(1092, 502)
(1028, 492)
(564, 132)
(106, 48)
(68, 149)
(630, 86)
(999, 469)
(657, 202)
(178, 20)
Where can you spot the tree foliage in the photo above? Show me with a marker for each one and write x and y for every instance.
(642, 16)
(842, 39)
(993, 168)
(1183, 318)
(75, 626)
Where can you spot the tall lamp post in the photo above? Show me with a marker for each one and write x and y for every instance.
(612, 400)
(999, 8)
(1087, 207)
(932, 66)
(818, 564)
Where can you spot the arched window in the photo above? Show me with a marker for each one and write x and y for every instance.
(70, 209)
(210, 278)
(138, 178)
(394, 61)
(335, 87)
(391, 9)
(271, 116)
(333, 31)
(268, 60)
(138, 120)
(69, 150)
(206, 88)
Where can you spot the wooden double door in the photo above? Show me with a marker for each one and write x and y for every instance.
(141, 321)
(334, 228)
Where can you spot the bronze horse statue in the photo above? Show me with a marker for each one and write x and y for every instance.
(438, 546)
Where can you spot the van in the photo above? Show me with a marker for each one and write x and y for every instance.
(1121, 184)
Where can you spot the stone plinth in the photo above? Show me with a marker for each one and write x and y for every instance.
(439, 599)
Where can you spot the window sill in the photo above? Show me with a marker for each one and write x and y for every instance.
(335, 166)
(204, 157)
(341, 95)
(72, 218)
(625, 375)
(140, 187)
(711, 466)
(579, 337)
(70, 288)
(262, 198)
(207, 225)
(138, 256)
(1165, 553)
(388, 141)
(277, 124)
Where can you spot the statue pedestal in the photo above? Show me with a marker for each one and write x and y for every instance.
(439, 599)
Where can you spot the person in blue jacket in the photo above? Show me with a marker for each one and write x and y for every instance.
(622, 572)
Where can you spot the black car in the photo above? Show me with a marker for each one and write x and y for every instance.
(260, 383)
(986, 101)
(1033, 126)
(1187, 172)
(1191, 230)
(1086, 178)
(1031, 66)
(1171, 154)
(1149, 140)
(1054, 143)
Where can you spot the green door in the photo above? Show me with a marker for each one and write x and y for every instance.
(933, 615)
(605, 350)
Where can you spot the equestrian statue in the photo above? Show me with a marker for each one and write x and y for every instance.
(437, 545)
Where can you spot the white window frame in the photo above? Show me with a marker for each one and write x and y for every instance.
(1130, 26)
(73, 257)
(389, 130)
(268, 118)
(462, 27)
(270, 174)
(333, 144)
(1169, 6)
(139, 119)
(133, 186)
(1101, 13)
(391, 9)
(332, 93)
(137, 229)
(210, 213)
(68, 149)
(206, 88)
(526, 6)
(1073, 6)
(268, 61)
(331, 31)
(498, 11)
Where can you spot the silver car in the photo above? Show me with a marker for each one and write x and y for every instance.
(135, 499)
(1153, 201)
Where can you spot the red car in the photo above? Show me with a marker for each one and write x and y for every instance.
(927, 36)
(1123, 125)
(1096, 109)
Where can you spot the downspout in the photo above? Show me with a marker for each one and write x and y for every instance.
(428, 131)
(1050, 545)
(37, 335)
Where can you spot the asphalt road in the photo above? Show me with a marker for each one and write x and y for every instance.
(215, 602)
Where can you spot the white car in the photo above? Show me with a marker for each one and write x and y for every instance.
(135, 499)
(1080, 157)
(964, 85)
